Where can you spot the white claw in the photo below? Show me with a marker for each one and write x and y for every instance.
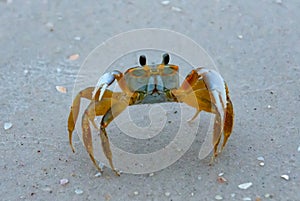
(103, 83)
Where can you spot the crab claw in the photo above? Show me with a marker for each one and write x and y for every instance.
(216, 86)
(104, 82)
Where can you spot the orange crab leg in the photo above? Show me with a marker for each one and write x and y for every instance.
(86, 93)
(112, 113)
(229, 119)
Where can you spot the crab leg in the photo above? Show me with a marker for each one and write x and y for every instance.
(95, 108)
(229, 117)
(112, 113)
(86, 93)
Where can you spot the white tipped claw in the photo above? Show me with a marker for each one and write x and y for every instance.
(103, 83)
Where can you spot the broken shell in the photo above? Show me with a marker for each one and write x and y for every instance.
(61, 89)
(63, 182)
(78, 191)
(221, 174)
(99, 174)
(73, 57)
(7, 125)
(245, 186)
(176, 9)
(285, 177)
(221, 180)
(165, 2)
(260, 158)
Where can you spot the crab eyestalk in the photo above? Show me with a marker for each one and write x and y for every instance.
(142, 60)
(166, 59)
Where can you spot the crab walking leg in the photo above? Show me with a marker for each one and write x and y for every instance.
(112, 113)
(95, 108)
(86, 93)
(229, 119)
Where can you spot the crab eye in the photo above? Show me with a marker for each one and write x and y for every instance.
(166, 59)
(142, 60)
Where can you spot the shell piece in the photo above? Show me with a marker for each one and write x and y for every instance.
(79, 191)
(165, 3)
(63, 182)
(245, 186)
(218, 197)
(7, 125)
(260, 158)
(73, 57)
(285, 177)
(61, 89)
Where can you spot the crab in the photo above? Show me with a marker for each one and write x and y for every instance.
(203, 89)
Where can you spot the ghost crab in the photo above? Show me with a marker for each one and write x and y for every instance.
(202, 89)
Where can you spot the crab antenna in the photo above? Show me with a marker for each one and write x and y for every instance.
(142, 60)
(166, 58)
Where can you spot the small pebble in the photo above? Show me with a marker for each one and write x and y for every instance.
(107, 197)
(221, 180)
(279, 1)
(25, 72)
(50, 26)
(267, 195)
(269, 106)
(79, 191)
(167, 194)
(246, 199)
(176, 9)
(260, 158)
(7, 125)
(261, 164)
(245, 186)
(285, 177)
(58, 70)
(47, 189)
(165, 3)
(151, 174)
(99, 174)
(199, 177)
(240, 36)
(77, 38)
(218, 197)
(221, 174)
(192, 194)
(135, 192)
(63, 182)
(299, 149)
